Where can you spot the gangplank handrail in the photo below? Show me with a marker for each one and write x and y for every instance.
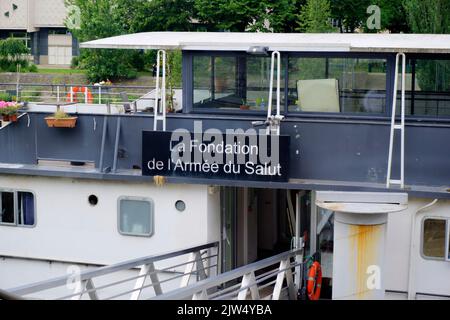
(201, 289)
(194, 265)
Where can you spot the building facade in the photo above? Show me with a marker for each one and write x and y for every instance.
(40, 23)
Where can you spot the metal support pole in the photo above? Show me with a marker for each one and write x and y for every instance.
(298, 241)
(116, 144)
(400, 126)
(102, 148)
(274, 121)
(313, 228)
(160, 114)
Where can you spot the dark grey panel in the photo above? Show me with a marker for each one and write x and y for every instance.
(321, 150)
(81, 143)
(75, 47)
(17, 142)
(43, 42)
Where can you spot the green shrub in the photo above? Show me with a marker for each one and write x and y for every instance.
(105, 64)
(60, 114)
(13, 53)
(32, 68)
(5, 97)
(75, 63)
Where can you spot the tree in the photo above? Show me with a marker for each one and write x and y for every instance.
(316, 16)
(100, 19)
(225, 15)
(248, 15)
(277, 16)
(428, 16)
(156, 15)
(12, 54)
(393, 15)
(351, 14)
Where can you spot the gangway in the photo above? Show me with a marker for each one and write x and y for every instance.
(249, 282)
(170, 276)
(135, 279)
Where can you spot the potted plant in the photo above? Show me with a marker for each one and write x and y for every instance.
(3, 110)
(244, 105)
(61, 120)
(9, 111)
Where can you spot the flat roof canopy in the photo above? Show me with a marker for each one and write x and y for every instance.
(242, 41)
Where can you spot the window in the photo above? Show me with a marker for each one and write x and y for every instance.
(136, 216)
(233, 82)
(435, 242)
(180, 205)
(58, 31)
(7, 208)
(17, 208)
(22, 36)
(338, 85)
(427, 88)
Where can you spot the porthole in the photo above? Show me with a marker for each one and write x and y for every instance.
(93, 200)
(180, 205)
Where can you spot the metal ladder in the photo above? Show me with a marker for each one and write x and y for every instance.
(398, 126)
(160, 94)
(274, 121)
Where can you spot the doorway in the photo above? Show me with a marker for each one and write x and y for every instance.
(259, 223)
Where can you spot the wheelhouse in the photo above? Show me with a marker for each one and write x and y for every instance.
(332, 93)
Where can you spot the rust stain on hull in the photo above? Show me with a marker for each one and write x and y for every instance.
(364, 248)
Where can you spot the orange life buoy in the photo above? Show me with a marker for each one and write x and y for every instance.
(314, 283)
(72, 95)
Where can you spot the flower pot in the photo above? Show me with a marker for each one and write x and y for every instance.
(13, 117)
(220, 85)
(244, 107)
(53, 122)
(6, 117)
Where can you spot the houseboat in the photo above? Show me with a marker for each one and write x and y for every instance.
(325, 153)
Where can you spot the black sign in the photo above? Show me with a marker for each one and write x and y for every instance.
(233, 156)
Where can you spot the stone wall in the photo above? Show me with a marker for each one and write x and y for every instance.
(39, 78)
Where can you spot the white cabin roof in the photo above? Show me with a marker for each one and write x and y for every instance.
(242, 41)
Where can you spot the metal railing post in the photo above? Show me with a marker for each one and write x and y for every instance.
(146, 270)
(249, 283)
(189, 269)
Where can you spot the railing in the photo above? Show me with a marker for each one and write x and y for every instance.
(134, 279)
(95, 94)
(272, 278)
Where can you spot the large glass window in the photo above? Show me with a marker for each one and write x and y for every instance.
(235, 82)
(25, 208)
(434, 238)
(17, 208)
(427, 88)
(135, 217)
(338, 85)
